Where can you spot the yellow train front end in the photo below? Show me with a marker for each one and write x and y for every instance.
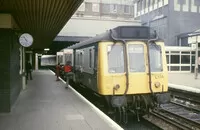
(112, 77)
(132, 75)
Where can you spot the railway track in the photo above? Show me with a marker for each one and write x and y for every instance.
(185, 95)
(175, 116)
(183, 112)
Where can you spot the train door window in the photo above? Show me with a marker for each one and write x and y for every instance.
(115, 58)
(60, 59)
(136, 58)
(78, 62)
(155, 57)
(90, 58)
(96, 59)
(66, 58)
(81, 59)
(76, 58)
(69, 57)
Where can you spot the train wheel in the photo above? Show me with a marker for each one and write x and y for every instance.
(118, 115)
(144, 105)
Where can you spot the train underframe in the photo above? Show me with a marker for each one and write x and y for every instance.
(138, 105)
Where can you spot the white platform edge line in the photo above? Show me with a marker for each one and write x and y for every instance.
(185, 88)
(103, 116)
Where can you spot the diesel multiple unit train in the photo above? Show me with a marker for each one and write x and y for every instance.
(126, 66)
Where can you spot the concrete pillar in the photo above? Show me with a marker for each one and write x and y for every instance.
(30, 57)
(21, 59)
(36, 61)
(10, 79)
(24, 68)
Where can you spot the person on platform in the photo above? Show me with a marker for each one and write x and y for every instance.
(58, 68)
(68, 72)
(29, 70)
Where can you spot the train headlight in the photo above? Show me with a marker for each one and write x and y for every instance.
(157, 84)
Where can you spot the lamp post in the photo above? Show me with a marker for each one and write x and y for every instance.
(196, 53)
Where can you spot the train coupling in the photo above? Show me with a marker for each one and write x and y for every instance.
(162, 98)
(118, 101)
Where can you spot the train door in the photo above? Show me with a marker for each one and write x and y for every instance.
(79, 65)
(68, 56)
(158, 67)
(59, 57)
(137, 66)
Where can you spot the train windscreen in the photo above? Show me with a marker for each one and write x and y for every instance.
(115, 54)
(155, 57)
(68, 57)
(136, 58)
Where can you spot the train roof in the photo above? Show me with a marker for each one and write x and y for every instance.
(105, 36)
(118, 33)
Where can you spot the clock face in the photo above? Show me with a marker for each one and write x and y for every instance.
(26, 40)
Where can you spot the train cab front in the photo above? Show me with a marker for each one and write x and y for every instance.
(141, 78)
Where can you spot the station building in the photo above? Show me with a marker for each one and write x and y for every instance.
(174, 21)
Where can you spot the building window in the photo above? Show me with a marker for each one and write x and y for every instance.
(95, 7)
(82, 7)
(151, 2)
(138, 7)
(105, 8)
(175, 59)
(88, 7)
(147, 4)
(142, 5)
(127, 9)
(113, 8)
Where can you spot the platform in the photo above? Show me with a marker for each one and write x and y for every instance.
(184, 81)
(47, 105)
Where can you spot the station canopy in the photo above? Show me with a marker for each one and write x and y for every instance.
(43, 19)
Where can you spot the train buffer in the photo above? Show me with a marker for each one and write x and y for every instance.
(47, 105)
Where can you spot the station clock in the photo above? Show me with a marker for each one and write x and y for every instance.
(26, 40)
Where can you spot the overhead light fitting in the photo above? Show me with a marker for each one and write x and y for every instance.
(46, 49)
